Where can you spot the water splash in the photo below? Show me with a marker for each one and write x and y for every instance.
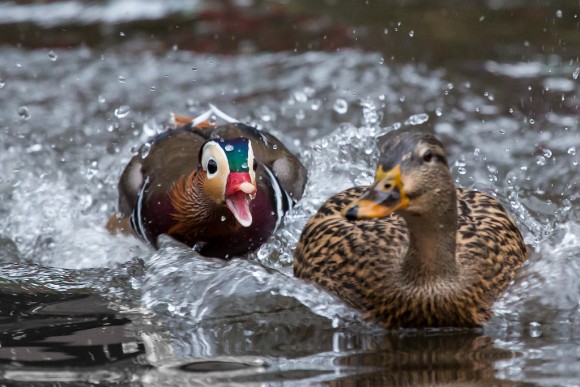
(224, 291)
(548, 289)
(59, 174)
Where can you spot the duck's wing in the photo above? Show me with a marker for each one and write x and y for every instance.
(159, 163)
(352, 259)
(490, 248)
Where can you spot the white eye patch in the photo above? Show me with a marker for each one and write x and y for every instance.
(214, 160)
(251, 163)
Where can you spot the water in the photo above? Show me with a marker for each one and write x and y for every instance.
(69, 124)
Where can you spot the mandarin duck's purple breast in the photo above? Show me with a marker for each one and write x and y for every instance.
(222, 190)
(264, 222)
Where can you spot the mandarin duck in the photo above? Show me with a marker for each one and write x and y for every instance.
(222, 189)
(412, 250)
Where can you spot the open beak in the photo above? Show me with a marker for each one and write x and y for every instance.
(381, 199)
(240, 191)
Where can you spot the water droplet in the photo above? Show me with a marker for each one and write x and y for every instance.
(502, 131)
(34, 148)
(566, 205)
(532, 121)
(535, 329)
(386, 31)
(85, 201)
(417, 119)
(300, 96)
(438, 112)
(540, 160)
(145, 149)
(559, 13)
(229, 148)
(91, 172)
(265, 251)
(223, 218)
(122, 111)
(2, 83)
(572, 150)
(24, 113)
(460, 164)
(481, 18)
(101, 99)
(411, 33)
(576, 73)
(245, 165)
(52, 55)
(300, 114)
(152, 88)
(121, 33)
(547, 153)
(315, 104)
(122, 79)
(340, 106)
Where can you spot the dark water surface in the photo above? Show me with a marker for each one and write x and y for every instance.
(83, 83)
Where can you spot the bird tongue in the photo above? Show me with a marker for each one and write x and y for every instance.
(239, 204)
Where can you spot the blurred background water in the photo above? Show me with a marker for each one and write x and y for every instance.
(83, 83)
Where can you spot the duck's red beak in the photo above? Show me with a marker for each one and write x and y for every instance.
(239, 193)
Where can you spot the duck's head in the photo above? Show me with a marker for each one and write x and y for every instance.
(412, 177)
(229, 171)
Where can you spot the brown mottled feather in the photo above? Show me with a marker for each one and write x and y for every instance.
(361, 262)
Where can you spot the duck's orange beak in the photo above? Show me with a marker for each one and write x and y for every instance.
(240, 191)
(381, 199)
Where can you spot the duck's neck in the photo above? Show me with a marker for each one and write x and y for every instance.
(193, 210)
(432, 240)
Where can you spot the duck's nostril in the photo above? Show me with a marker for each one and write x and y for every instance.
(351, 213)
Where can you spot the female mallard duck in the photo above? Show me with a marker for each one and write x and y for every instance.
(220, 189)
(412, 250)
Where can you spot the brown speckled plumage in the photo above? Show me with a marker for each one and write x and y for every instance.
(366, 262)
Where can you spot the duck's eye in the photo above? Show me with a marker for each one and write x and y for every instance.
(212, 167)
(428, 156)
